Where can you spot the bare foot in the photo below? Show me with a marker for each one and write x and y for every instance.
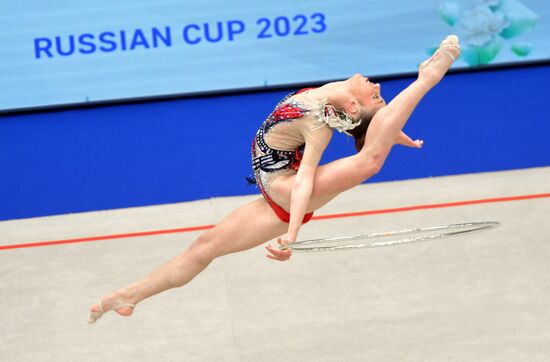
(117, 301)
(433, 69)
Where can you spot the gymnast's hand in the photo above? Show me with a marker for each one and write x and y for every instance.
(405, 140)
(276, 253)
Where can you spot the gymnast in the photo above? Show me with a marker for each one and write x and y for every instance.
(286, 152)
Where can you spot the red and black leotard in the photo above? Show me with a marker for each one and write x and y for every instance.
(278, 145)
(267, 161)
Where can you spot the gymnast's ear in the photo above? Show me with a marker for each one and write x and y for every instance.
(352, 108)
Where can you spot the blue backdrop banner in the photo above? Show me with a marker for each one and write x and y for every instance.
(69, 52)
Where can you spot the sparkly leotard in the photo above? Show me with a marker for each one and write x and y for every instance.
(278, 145)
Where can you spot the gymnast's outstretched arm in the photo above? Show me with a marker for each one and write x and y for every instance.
(303, 182)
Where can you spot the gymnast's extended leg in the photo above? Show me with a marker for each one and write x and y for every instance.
(246, 227)
(343, 174)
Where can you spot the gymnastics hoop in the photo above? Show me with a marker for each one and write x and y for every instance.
(390, 237)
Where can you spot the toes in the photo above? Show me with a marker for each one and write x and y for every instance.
(93, 315)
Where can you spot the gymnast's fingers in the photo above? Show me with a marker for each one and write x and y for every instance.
(277, 254)
(276, 258)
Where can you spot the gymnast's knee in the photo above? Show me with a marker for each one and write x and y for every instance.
(369, 166)
(203, 248)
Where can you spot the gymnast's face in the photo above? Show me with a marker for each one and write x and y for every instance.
(366, 92)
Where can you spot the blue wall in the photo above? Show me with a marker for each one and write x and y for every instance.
(171, 151)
